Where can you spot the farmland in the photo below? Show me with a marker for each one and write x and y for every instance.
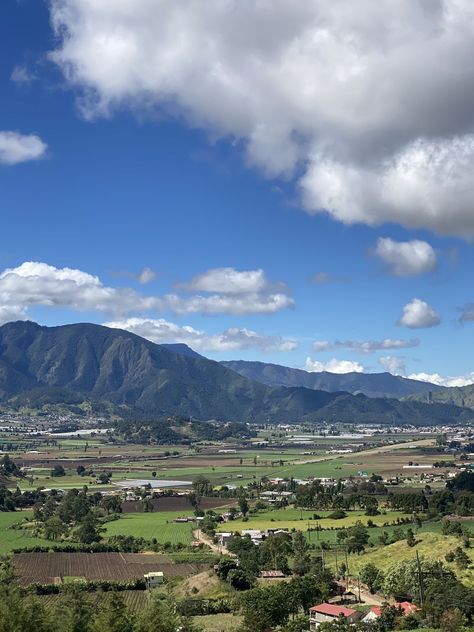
(51, 568)
(158, 525)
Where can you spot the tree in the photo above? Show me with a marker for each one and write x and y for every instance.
(113, 615)
(74, 614)
(357, 538)
(54, 528)
(402, 579)
(58, 470)
(112, 504)
(301, 557)
(8, 467)
(243, 505)
(202, 486)
(225, 566)
(372, 577)
(89, 529)
(161, 615)
(239, 579)
(461, 558)
(411, 541)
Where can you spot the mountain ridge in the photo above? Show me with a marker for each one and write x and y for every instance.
(370, 384)
(140, 377)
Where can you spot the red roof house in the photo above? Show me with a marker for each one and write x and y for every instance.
(329, 612)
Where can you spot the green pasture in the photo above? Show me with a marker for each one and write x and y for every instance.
(303, 519)
(17, 538)
(157, 525)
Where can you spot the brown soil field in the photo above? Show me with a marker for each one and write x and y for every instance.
(49, 568)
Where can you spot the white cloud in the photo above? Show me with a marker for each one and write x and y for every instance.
(406, 258)
(228, 281)
(440, 380)
(162, 331)
(235, 291)
(21, 74)
(365, 346)
(333, 366)
(417, 314)
(346, 91)
(35, 283)
(10, 313)
(394, 365)
(146, 276)
(16, 148)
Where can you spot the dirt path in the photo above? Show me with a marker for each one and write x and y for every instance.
(199, 536)
(379, 450)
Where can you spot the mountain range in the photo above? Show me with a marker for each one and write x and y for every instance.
(370, 384)
(134, 375)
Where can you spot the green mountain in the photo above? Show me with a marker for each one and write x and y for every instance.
(370, 384)
(140, 378)
(457, 395)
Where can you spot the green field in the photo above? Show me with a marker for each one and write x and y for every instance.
(302, 519)
(219, 622)
(157, 525)
(16, 538)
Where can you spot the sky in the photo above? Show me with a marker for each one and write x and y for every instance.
(279, 180)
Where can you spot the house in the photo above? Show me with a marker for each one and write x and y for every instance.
(272, 574)
(325, 612)
(375, 611)
(224, 537)
(153, 579)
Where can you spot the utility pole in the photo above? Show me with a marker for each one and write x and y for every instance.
(420, 580)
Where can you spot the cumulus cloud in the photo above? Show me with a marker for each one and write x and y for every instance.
(365, 346)
(36, 283)
(392, 364)
(146, 276)
(440, 380)
(344, 91)
(333, 366)
(162, 331)
(228, 281)
(237, 292)
(406, 258)
(16, 148)
(417, 314)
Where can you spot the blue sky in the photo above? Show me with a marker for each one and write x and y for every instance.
(266, 243)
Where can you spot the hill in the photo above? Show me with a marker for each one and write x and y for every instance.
(90, 362)
(370, 384)
(457, 395)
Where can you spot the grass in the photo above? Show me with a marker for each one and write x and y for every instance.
(302, 519)
(157, 525)
(433, 546)
(16, 538)
(219, 622)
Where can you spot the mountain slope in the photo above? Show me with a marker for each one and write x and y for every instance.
(370, 384)
(457, 395)
(111, 365)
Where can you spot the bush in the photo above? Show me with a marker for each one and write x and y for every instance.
(338, 514)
